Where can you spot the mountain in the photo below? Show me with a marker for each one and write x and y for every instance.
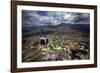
(63, 28)
(64, 35)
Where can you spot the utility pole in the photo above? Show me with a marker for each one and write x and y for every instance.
(62, 17)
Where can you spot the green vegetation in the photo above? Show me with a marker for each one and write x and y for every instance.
(64, 44)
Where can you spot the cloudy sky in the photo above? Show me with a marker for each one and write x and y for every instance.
(42, 18)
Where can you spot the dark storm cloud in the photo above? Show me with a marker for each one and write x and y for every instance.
(41, 18)
(81, 18)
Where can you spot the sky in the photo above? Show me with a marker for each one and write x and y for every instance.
(44, 18)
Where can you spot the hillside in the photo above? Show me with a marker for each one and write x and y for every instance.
(66, 42)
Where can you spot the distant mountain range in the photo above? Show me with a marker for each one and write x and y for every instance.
(62, 28)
